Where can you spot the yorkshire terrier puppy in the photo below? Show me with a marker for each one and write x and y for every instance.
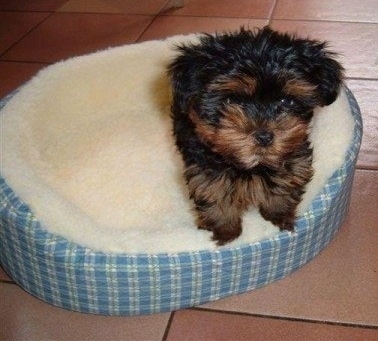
(242, 109)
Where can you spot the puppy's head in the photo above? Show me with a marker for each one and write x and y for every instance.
(250, 96)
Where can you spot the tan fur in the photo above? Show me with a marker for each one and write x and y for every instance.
(221, 199)
(299, 88)
(234, 137)
(240, 84)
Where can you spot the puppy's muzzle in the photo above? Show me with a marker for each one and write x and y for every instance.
(263, 137)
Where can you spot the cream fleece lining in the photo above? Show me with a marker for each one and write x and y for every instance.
(87, 144)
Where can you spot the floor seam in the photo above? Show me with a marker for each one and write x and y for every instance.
(168, 326)
(291, 319)
(27, 33)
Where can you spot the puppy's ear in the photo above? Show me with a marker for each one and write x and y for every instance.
(325, 72)
(185, 75)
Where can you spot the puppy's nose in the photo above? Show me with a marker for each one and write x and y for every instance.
(263, 137)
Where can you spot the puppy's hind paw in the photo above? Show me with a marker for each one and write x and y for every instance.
(286, 226)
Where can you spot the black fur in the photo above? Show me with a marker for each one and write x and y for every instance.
(269, 61)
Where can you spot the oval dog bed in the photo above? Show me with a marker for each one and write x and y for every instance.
(62, 238)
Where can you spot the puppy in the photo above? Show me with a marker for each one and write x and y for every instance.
(242, 109)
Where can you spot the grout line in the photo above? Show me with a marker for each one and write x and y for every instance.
(58, 10)
(28, 32)
(146, 28)
(25, 62)
(362, 79)
(367, 168)
(168, 327)
(272, 11)
(24, 11)
(210, 17)
(167, 6)
(163, 7)
(291, 319)
(326, 21)
(4, 281)
(106, 13)
(268, 18)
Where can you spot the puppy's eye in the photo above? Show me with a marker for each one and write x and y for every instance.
(287, 102)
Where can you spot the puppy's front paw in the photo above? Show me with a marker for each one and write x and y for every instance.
(283, 220)
(226, 234)
(205, 227)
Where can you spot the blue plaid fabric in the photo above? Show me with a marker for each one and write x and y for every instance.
(77, 278)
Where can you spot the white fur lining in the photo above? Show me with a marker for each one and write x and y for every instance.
(87, 144)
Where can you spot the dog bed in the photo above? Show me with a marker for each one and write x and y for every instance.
(94, 212)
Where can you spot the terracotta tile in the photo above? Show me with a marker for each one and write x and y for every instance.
(210, 326)
(82, 33)
(165, 26)
(14, 74)
(339, 10)
(114, 6)
(357, 43)
(24, 317)
(4, 277)
(16, 25)
(340, 284)
(365, 92)
(225, 8)
(27, 5)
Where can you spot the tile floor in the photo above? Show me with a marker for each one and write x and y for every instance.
(335, 297)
